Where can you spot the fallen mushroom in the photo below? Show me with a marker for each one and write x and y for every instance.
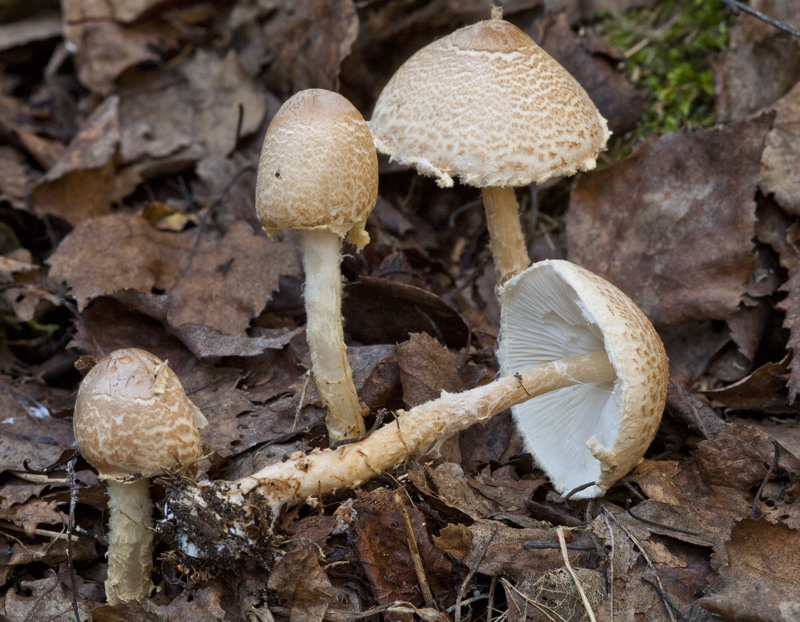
(612, 353)
(318, 174)
(132, 422)
(592, 431)
(488, 105)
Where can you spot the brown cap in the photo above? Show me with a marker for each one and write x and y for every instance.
(318, 167)
(591, 431)
(132, 417)
(488, 105)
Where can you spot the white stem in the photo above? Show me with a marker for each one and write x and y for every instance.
(509, 252)
(323, 294)
(415, 431)
(130, 541)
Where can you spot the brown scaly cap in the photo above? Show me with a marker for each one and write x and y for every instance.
(318, 167)
(133, 419)
(488, 105)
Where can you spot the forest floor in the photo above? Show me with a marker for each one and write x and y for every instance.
(130, 133)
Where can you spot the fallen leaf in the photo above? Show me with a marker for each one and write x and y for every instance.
(426, 369)
(672, 224)
(761, 64)
(779, 174)
(300, 583)
(81, 182)
(498, 550)
(739, 457)
(46, 25)
(299, 46)
(16, 177)
(757, 577)
(28, 431)
(764, 390)
(44, 599)
(208, 281)
(103, 48)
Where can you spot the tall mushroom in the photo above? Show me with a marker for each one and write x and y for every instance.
(132, 422)
(488, 105)
(607, 386)
(318, 174)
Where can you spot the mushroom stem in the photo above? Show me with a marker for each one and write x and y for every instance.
(130, 541)
(505, 233)
(414, 431)
(331, 369)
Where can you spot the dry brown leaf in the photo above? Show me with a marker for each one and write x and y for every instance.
(384, 552)
(301, 584)
(300, 45)
(27, 430)
(103, 48)
(761, 64)
(81, 183)
(739, 457)
(220, 283)
(764, 390)
(672, 224)
(44, 599)
(758, 576)
(41, 27)
(779, 174)
(16, 177)
(498, 550)
(426, 369)
(172, 118)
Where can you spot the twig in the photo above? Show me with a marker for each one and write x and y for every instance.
(760, 490)
(736, 6)
(542, 608)
(646, 558)
(471, 573)
(302, 399)
(610, 565)
(664, 597)
(648, 521)
(416, 558)
(577, 489)
(73, 500)
(587, 605)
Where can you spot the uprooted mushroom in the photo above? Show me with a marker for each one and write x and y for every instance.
(613, 369)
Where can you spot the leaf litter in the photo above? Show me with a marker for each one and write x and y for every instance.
(131, 131)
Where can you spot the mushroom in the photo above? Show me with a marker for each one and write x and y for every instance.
(318, 173)
(591, 431)
(133, 421)
(606, 387)
(488, 105)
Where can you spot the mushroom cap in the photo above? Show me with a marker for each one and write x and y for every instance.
(318, 167)
(132, 417)
(488, 105)
(590, 431)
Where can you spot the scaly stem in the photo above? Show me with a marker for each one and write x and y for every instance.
(505, 233)
(323, 294)
(323, 471)
(130, 541)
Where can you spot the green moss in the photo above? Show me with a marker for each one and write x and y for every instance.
(669, 48)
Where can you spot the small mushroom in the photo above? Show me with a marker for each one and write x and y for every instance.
(603, 390)
(318, 174)
(590, 431)
(488, 105)
(133, 421)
